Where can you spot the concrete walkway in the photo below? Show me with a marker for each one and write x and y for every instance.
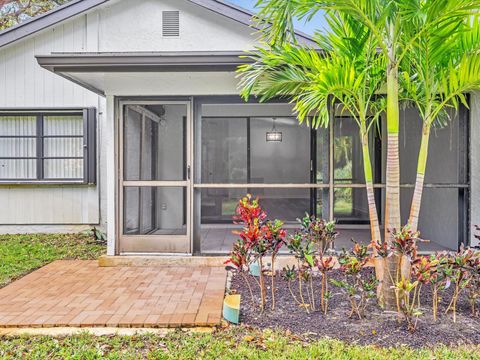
(79, 293)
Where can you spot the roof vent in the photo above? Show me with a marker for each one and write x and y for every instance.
(170, 23)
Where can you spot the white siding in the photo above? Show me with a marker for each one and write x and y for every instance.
(44, 204)
(24, 84)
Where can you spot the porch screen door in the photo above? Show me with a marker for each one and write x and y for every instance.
(155, 177)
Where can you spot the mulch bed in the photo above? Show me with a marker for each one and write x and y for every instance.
(377, 328)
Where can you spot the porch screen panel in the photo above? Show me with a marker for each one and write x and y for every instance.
(150, 210)
(447, 148)
(153, 183)
(152, 149)
(237, 156)
(444, 208)
(285, 161)
(285, 204)
(224, 150)
(322, 172)
(347, 152)
(350, 204)
(439, 217)
(132, 144)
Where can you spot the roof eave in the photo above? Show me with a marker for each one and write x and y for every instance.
(142, 62)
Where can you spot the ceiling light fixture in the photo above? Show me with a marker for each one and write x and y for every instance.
(274, 135)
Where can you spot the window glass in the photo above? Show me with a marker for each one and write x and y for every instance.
(63, 147)
(12, 125)
(63, 125)
(17, 169)
(18, 147)
(63, 169)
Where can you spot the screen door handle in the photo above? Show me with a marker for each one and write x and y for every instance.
(188, 172)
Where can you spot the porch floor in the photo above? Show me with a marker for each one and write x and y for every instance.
(218, 239)
(79, 293)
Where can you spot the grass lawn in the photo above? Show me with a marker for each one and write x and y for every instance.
(227, 344)
(20, 254)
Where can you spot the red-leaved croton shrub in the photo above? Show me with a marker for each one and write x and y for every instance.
(312, 247)
(258, 238)
(404, 248)
(274, 238)
(461, 268)
(359, 287)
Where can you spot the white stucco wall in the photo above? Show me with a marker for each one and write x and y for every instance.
(136, 26)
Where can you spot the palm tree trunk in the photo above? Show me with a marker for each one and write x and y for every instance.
(372, 206)
(376, 236)
(392, 201)
(421, 166)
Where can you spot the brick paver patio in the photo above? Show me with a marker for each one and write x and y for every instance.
(80, 293)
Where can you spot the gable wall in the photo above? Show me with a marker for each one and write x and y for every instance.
(137, 26)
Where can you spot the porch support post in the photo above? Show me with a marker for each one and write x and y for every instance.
(197, 163)
(474, 158)
(111, 178)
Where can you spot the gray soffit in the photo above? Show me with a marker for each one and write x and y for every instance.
(142, 62)
(76, 7)
(38, 23)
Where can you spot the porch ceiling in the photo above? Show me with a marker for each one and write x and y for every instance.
(103, 72)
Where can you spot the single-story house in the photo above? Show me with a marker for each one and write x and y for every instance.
(125, 115)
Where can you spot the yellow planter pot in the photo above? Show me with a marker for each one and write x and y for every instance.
(231, 308)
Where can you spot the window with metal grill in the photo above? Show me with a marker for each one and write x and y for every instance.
(48, 146)
(170, 23)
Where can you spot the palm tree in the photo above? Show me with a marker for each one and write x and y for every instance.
(446, 63)
(348, 73)
(396, 26)
(351, 77)
(382, 19)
